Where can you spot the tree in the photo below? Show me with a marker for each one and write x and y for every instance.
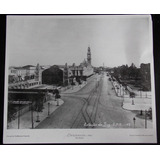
(132, 95)
(39, 102)
(132, 71)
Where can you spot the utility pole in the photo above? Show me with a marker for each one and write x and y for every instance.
(37, 112)
(132, 101)
(48, 109)
(32, 116)
(145, 118)
(37, 117)
(19, 115)
(140, 92)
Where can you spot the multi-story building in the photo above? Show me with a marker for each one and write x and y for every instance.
(85, 69)
(67, 73)
(24, 77)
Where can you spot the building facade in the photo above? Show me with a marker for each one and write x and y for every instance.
(24, 77)
(66, 74)
(85, 68)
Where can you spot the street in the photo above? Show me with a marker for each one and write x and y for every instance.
(94, 106)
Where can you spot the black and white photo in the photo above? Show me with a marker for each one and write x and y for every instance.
(79, 79)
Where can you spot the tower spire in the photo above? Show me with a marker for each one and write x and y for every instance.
(89, 55)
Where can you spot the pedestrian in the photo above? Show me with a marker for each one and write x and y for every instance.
(56, 92)
(57, 96)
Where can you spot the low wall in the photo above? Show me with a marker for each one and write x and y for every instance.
(22, 111)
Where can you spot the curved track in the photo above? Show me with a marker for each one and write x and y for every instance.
(89, 110)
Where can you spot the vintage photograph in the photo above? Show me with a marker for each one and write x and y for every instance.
(79, 72)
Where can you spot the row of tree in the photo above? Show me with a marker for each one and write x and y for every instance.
(140, 76)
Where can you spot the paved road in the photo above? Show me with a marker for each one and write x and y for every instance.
(94, 106)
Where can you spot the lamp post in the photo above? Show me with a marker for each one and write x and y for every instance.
(37, 114)
(19, 115)
(32, 116)
(132, 101)
(37, 117)
(48, 109)
(140, 92)
(145, 118)
(134, 121)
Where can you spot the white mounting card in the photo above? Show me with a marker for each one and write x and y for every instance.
(79, 79)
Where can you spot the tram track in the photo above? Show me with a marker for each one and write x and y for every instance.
(89, 117)
(96, 103)
(83, 113)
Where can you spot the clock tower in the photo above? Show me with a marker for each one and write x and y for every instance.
(89, 56)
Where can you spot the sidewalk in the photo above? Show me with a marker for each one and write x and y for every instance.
(142, 100)
(74, 88)
(119, 89)
(137, 104)
(67, 89)
(26, 119)
(44, 86)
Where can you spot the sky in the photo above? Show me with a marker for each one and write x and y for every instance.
(49, 40)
